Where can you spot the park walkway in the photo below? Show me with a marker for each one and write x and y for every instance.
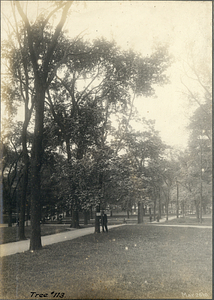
(164, 220)
(179, 225)
(22, 246)
(186, 225)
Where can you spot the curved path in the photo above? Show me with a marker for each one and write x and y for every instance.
(22, 246)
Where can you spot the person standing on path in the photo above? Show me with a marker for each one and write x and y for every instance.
(104, 221)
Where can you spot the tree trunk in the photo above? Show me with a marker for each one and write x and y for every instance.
(155, 210)
(167, 210)
(197, 210)
(35, 240)
(75, 219)
(25, 154)
(28, 212)
(37, 154)
(10, 215)
(91, 212)
(142, 211)
(85, 217)
(97, 220)
(159, 205)
(128, 213)
(22, 205)
(88, 215)
(140, 216)
(23, 197)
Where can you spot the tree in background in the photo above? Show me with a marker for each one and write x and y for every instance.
(199, 147)
(12, 172)
(200, 152)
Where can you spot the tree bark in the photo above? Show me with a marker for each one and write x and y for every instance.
(75, 219)
(155, 210)
(24, 185)
(128, 213)
(23, 204)
(197, 210)
(167, 209)
(37, 153)
(142, 211)
(85, 217)
(9, 215)
(159, 205)
(97, 220)
(140, 217)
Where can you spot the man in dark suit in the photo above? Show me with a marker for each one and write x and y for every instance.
(104, 221)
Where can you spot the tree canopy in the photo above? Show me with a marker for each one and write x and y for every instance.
(69, 151)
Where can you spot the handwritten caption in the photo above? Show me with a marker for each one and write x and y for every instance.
(53, 294)
(194, 295)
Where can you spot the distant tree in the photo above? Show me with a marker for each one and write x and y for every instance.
(200, 150)
(144, 151)
(198, 154)
(12, 172)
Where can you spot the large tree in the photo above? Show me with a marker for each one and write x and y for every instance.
(44, 65)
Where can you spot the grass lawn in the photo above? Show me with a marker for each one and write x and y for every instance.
(192, 220)
(132, 261)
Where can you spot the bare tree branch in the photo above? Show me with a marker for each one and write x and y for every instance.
(30, 38)
(55, 37)
(195, 98)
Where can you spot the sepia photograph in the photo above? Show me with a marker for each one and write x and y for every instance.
(106, 150)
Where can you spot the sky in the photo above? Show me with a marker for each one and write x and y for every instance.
(185, 26)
